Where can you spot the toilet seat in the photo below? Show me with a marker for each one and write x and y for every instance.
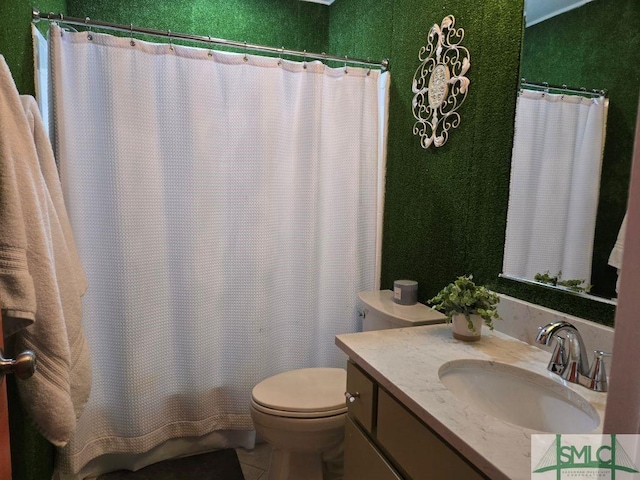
(303, 393)
(287, 414)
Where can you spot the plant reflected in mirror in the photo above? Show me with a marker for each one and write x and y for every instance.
(573, 285)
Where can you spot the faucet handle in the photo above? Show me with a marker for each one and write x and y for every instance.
(597, 378)
(559, 357)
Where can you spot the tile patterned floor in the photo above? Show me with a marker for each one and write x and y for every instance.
(255, 463)
(221, 464)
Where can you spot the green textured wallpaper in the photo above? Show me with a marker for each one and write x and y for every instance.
(15, 37)
(597, 46)
(445, 208)
(292, 24)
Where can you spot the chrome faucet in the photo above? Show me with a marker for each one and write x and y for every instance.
(569, 358)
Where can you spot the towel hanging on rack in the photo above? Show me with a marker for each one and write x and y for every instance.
(41, 279)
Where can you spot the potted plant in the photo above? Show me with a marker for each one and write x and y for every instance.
(467, 305)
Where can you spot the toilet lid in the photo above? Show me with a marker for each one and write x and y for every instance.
(306, 390)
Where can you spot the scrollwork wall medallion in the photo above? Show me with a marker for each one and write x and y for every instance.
(439, 84)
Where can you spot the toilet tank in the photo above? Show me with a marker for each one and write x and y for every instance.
(379, 312)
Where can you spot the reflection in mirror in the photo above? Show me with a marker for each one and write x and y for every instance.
(566, 45)
(555, 180)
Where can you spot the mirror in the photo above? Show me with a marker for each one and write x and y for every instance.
(571, 43)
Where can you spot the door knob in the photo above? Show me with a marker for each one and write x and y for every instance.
(24, 366)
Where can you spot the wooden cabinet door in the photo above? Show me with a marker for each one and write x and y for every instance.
(417, 449)
(5, 452)
(361, 459)
(361, 386)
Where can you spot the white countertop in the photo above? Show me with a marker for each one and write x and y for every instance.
(405, 361)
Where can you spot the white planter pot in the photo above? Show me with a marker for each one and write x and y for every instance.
(461, 329)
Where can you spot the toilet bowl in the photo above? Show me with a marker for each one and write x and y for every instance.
(301, 414)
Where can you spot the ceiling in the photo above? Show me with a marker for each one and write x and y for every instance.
(537, 11)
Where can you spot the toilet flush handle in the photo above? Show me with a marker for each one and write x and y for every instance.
(351, 397)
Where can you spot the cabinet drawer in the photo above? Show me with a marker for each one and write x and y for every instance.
(358, 384)
(362, 460)
(421, 453)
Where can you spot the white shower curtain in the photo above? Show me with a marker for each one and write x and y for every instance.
(555, 180)
(226, 209)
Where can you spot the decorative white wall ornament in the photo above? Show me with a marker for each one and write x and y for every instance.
(439, 84)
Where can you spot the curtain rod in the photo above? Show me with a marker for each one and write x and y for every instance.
(563, 88)
(36, 16)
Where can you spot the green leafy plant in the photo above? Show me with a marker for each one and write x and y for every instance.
(466, 298)
(575, 285)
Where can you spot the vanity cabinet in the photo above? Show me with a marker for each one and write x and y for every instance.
(362, 458)
(384, 441)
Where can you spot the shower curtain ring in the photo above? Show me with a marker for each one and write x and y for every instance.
(280, 56)
(132, 42)
(210, 52)
(369, 62)
(170, 42)
(324, 60)
(246, 59)
(346, 70)
(86, 22)
(304, 60)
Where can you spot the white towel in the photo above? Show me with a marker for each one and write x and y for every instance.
(615, 259)
(41, 279)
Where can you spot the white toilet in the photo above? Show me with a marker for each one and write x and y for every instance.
(301, 413)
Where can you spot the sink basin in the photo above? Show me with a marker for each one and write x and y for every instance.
(518, 396)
